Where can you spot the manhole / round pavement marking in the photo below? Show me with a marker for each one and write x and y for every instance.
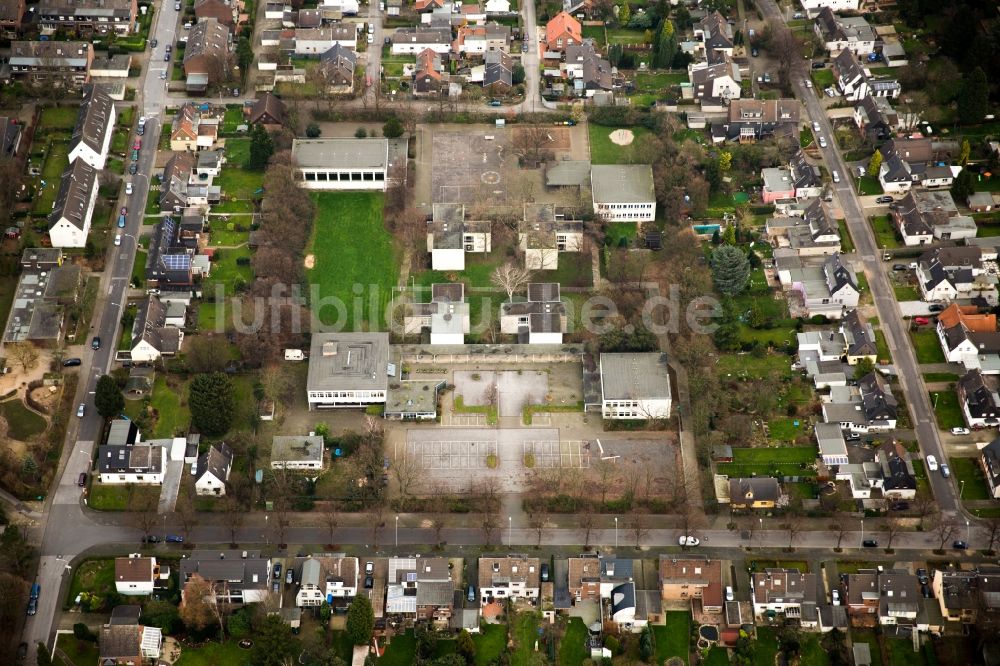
(490, 177)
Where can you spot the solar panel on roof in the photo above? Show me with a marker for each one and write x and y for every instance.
(177, 262)
(411, 577)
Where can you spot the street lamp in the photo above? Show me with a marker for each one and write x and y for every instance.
(616, 532)
(397, 532)
(510, 527)
(862, 530)
(961, 488)
(968, 531)
(761, 519)
(267, 532)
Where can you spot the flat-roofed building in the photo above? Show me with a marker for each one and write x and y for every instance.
(291, 452)
(348, 370)
(341, 164)
(635, 386)
(623, 192)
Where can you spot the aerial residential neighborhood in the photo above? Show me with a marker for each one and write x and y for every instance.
(391, 332)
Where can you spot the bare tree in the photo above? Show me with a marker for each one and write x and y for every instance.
(794, 527)
(587, 525)
(923, 506)
(186, 513)
(376, 517)
(991, 530)
(406, 469)
(639, 525)
(511, 278)
(537, 523)
(491, 525)
(24, 354)
(892, 528)
(605, 470)
(532, 144)
(331, 518)
(235, 515)
(143, 508)
(945, 532)
(841, 530)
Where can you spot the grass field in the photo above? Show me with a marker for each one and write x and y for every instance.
(604, 151)
(947, 409)
(746, 365)
(885, 233)
(139, 268)
(93, 576)
(784, 429)
(869, 185)
(823, 78)
(80, 653)
(905, 292)
(116, 497)
(765, 461)
(352, 250)
(672, 637)
(765, 647)
(573, 648)
(171, 416)
(927, 346)
(657, 82)
(226, 270)
(401, 650)
(211, 653)
(22, 423)
(969, 471)
(490, 643)
(615, 232)
(525, 634)
(56, 161)
(59, 117)
(846, 242)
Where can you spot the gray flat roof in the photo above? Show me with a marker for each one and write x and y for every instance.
(294, 449)
(622, 183)
(638, 376)
(568, 173)
(412, 397)
(341, 153)
(348, 362)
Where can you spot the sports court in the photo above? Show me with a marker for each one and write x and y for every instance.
(470, 167)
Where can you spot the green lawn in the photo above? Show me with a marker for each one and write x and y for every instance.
(171, 416)
(211, 654)
(490, 643)
(616, 232)
(342, 262)
(139, 268)
(208, 316)
(525, 634)
(401, 650)
(575, 269)
(785, 429)
(765, 648)
(573, 648)
(59, 117)
(905, 292)
(947, 409)
(226, 270)
(237, 152)
(883, 346)
(595, 32)
(969, 471)
(80, 653)
(823, 78)
(603, 151)
(221, 235)
(717, 656)
(869, 185)
(658, 81)
(22, 423)
(93, 576)
(752, 367)
(885, 232)
(927, 346)
(624, 36)
(116, 497)
(940, 377)
(846, 242)
(672, 637)
(56, 162)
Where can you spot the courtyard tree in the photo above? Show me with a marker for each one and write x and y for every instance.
(466, 647)
(963, 156)
(393, 128)
(211, 403)
(360, 621)
(261, 148)
(963, 185)
(196, 603)
(511, 278)
(874, 164)
(108, 398)
(23, 354)
(730, 269)
(973, 97)
(274, 644)
(206, 353)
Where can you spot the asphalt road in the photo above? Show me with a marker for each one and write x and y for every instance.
(890, 319)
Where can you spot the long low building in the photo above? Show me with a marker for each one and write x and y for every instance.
(341, 164)
(348, 370)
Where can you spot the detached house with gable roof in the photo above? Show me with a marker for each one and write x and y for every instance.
(989, 460)
(69, 222)
(786, 591)
(759, 492)
(979, 401)
(429, 76)
(152, 338)
(752, 120)
(908, 161)
(876, 118)
(212, 470)
(838, 33)
(237, 577)
(95, 123)
(829, 289)
(715, 36)
(326, 578)
(562, 31)
(898, 479)
(970, 338)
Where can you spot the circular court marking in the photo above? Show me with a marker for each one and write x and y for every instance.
(490, 177)
(622, 137)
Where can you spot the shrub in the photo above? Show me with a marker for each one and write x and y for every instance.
(492, 461)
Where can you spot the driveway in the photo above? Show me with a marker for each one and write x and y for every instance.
(171, 485)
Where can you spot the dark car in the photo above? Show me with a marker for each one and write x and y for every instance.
(870, 543)
(884, 200)
(935, 307)
(32, 606)
(152, 538)
(545, 573)
(369, 582)
(166, 57)
(133, 168)
(960, 545)
(899, 267)
(853, 437)
(95, 343)
(173, 538)
(135, 155)
(925, 590)
(818, 65)
(494, 102)
(277, 571)
(922, 575)
(754, 52)
(152, 43)
(72, 362)
(82, 479)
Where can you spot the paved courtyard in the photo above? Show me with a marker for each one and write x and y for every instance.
(469, 168)
(515, 389)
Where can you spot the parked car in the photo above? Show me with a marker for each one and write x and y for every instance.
(818, 65)
(922, 321)
(152, 43)
(945, 470)
(277, 571)
(899, 267)
(170, 47)
(173, 538)
(822, 142)
(82, 479)
(688, 541)
(933, 307)
(884, 200)
(276, 587)
(135, 155)
(471, 596)
(369, 567)
(960, 545)
(133, 168)
(81, 410)
(835, 597)
(754, 52)
(815, 126)
(960, 431)
(870, 543)
(729, 593)
(932, 463)
(118, 240)
(861, 171)
(369, 582)
(289, 576)
(925, 590)
(853, 437)
(494, 102)
(138, 144)
(166, 57)
(22, 651)
(545, 573)
(836, 175)
(177, 6)
(72, 362)
(32, 606)
(128, 188)
(807, 83)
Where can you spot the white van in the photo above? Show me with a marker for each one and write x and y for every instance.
(836, 177)
(932, 463)
(294, 355)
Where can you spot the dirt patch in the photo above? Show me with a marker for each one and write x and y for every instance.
(46, 397)
(557, 139)
(310, 261)
(622, 137)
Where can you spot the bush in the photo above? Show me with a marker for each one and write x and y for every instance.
(492, 461)
(82, 632)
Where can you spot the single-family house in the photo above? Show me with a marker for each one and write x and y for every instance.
(806, 177)
(899, 598)
(498, 75)
(829, 288)
(623, 192)
(694, 580)
(591, 578)
(211, 472)
(95, 123)
(867, 407)
(407, 576)
(337, 65)
(345, 7)
(777, 184)
(969, 338)
(850, 33)
(226, 12)
(152, 338)
(832, 447)
(429, 76)
(587, 71)
(751, 120)
(909, 161)
(760, 492)
(476, 40)
(269, 111)
(898, 479)
(966, 596)
(989, 459)
(715, 36)
(562, 31)
(544, 233)
(862, 595)
(327, 579)
(128, 644)
(341, 163)
(716, 85)
(635, 386)
(51, 64)
(136, 463)
(69, 222)
(785, 591)
(237, 576)
(541, 319)
(446, 316)
(207, 56)
(11, 15)
(450, 236)
(414, 40)
(135, 575)
(813, 7)
(876, 118)
(191, 131)
(347, 370)
(512, 577)
(979, 401)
